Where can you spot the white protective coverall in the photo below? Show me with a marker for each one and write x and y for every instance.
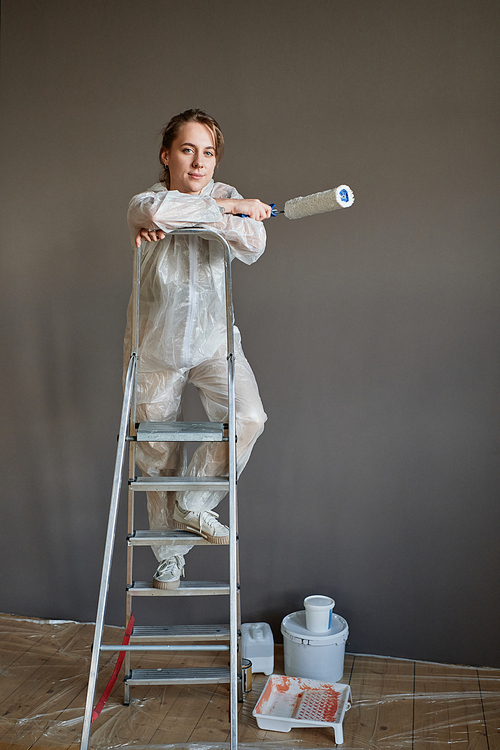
(182, 338)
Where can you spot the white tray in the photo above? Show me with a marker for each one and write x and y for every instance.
(288, 702)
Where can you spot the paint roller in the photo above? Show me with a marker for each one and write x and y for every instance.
(317, 203)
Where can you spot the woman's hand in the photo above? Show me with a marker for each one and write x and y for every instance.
(252, 207)
(148, 235)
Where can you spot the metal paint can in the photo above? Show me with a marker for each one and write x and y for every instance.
(246, 675)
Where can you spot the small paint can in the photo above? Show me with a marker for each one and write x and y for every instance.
(246, 675)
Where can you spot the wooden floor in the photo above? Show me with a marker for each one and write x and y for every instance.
(397, 704)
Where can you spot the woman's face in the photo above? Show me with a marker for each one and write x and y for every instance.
(191, 159)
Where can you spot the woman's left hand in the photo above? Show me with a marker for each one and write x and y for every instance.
(149, 235)
(252, 207)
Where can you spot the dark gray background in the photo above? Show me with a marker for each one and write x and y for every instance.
(373, 332)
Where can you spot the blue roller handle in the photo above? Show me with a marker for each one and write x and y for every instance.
(273, 212)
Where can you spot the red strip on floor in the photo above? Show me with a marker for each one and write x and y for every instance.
(109, 687)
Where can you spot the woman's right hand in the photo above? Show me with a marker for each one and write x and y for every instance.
(149, 235)
(252, 207)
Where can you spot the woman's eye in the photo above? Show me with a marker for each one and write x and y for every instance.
(209, 153)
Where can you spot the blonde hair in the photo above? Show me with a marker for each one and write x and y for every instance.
(170, 132)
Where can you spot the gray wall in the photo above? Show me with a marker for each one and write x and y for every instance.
(373, 332)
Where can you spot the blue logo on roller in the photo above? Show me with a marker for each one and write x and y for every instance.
(344, 195)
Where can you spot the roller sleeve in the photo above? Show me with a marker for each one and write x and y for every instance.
(317, 203)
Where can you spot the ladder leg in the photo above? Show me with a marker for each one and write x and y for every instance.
(238, 609)
(136, 288)
(108, 554)
(126, 661)
(130, 556)
(235, 662)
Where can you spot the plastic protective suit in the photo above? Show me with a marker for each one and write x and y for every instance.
(182, 338)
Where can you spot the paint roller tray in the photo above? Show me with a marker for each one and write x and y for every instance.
(288, 702)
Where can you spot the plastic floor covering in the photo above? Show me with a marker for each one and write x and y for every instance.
(397, 704)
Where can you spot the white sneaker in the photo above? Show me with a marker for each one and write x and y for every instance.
(205, 524)
(169, 572)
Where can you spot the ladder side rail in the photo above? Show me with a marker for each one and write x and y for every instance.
(130, 554)
(108, 551)
(136, 293)
(235, 656)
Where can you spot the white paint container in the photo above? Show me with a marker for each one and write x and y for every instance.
(318, 613)
(319, 656)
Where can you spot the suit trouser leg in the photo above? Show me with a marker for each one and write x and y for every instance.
(211, 459)
(160, 400)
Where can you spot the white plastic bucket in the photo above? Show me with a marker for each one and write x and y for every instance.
(319, 656)
(318, 613)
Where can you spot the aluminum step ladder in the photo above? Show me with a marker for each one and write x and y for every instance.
(172, 637)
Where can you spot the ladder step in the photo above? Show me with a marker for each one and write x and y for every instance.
(141, 647)
(142, 538)
(157, 432)
(186, 588)
(161, 484)
(186, 676)
(185, 633)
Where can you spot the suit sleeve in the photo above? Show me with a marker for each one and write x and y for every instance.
(246, 237)
(169, 209)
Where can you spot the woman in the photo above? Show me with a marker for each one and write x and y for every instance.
(183, 327)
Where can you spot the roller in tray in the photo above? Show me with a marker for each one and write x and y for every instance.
(289, 702)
